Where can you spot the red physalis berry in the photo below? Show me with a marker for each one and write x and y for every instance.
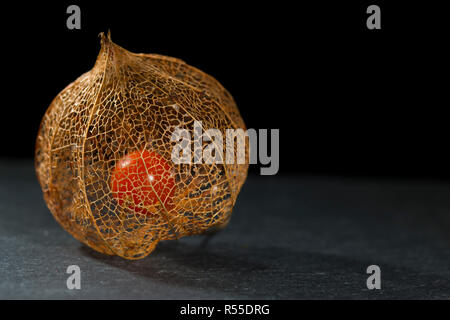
(142, 179)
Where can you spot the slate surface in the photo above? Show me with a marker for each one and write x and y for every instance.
(289, 238)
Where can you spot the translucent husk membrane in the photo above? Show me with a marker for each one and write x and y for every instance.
(131, 102)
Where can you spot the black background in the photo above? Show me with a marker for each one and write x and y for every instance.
(347, 100)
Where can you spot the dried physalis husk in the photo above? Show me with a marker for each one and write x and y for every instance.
(103, 153)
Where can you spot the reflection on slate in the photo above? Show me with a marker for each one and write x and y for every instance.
(289, 238)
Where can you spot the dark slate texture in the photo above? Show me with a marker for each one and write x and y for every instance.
(290, 238)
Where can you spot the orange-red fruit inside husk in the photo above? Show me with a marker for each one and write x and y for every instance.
(142, 179)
